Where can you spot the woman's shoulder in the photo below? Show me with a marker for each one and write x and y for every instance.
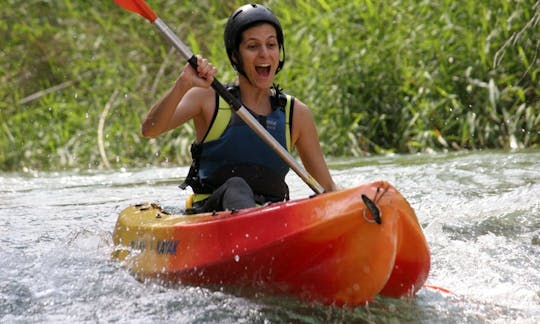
(203, 97)
(300, 107)
(200, 92)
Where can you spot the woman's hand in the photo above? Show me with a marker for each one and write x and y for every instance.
(202, 77)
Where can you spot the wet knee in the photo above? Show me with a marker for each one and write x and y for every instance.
(238, 194)
(238, 183)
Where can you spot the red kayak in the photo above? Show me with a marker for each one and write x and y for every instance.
(340, 248)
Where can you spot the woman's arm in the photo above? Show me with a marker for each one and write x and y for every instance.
(306, 141)
(170, 111)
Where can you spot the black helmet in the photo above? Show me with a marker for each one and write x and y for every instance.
(243, 18)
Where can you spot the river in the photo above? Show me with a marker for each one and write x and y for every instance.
(480, 212)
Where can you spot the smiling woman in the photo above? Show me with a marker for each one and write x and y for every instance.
(232, 168)
(258, 59)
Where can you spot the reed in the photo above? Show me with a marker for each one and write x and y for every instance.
(401, 76)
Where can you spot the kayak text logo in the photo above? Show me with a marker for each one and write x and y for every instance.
(159, 246)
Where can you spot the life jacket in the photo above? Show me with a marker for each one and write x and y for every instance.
(231, 148)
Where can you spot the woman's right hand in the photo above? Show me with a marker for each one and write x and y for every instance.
(202, 77)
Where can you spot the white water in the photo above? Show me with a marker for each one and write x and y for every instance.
(480, 213)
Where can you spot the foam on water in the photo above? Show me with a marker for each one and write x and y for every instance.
(480, 213)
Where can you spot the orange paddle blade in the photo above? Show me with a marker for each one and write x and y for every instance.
(138, 6)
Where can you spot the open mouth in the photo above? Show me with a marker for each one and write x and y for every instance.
(263, 69)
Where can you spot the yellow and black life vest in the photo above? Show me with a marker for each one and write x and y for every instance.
(231, 148)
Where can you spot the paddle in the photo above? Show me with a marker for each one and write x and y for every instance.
(141, 8)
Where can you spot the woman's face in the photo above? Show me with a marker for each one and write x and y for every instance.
(259, 50)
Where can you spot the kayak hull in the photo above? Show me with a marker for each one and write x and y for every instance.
(327, 248)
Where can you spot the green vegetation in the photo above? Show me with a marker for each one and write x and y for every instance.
(76, 77)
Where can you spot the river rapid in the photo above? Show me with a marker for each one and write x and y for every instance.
(480, 213)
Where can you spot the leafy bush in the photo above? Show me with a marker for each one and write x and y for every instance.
(404, 76)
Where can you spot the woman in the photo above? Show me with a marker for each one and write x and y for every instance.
(232, 167)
